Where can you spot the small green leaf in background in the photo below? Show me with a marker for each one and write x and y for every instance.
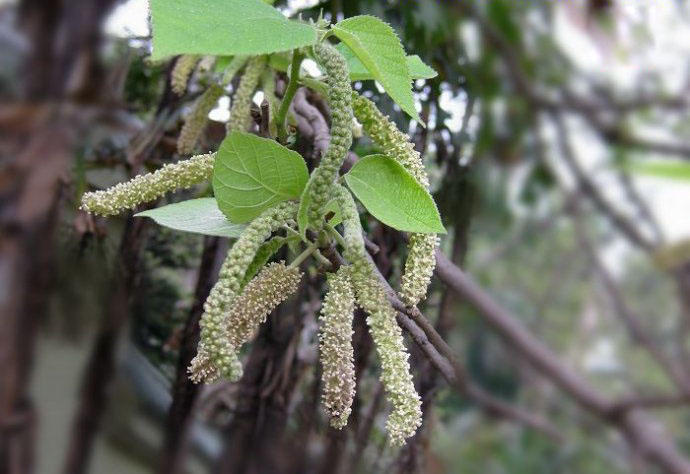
(678, 170)
(263, 255)
(378, 47)
(200, 216)
(224, 27)
(358, 72)
(393, 196)
(251, 174)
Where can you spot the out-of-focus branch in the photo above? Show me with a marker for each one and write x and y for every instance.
(633, 424)
(592, 191)
(569, 102)
(672, 367)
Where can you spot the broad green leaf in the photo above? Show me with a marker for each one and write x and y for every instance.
(393, 196)
(280, 61)
(200, 216)
(251, 174)
(224, 27)
(333, 207)
(678, 170)
(379, 49)
(358, 72)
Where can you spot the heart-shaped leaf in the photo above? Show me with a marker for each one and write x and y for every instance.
(359, 72)
(224, 27)
(200, 216)
(251, 174)
(379, 49)
(393, 196)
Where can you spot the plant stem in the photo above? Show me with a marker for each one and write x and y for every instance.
(303, 256)
(336, 235)
(281, 116)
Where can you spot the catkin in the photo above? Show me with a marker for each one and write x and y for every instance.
(149, 186)
(321, 182)
(216, 355)
(335, 347)
(196, 121)
(242, 99)
(183, 69)
(274, 284)
(421, 261)
(406, 413)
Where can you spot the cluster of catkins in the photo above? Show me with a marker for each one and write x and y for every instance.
(239, 302)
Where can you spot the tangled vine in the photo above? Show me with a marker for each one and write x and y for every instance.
(262, 181)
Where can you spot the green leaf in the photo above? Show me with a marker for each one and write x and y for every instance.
(379, 49)
(224, 27)
(302, 219)
(393, 196)
(200, 216)
(358, 72)
(251, 174)
(678, 170)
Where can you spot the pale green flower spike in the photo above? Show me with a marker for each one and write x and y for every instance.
(421, 261)
(320, 184)
(242, 99)
(183, 69)
(274, 284)
(216, 355)
(206, 63)
(196, 121)
(406, 414)
(147, 187)
(335, 347)
(236, 63)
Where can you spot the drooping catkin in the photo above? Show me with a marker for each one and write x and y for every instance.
(321, 182)
(236, 63)
(335, 347)
(216, 355)
(242, 99)
(196, 121)
(149, 186)
(182, 71)
(421, 261)
(274, 284)
(406, 414)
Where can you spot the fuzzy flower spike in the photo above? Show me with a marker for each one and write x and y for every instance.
(406, 414)
(421, 261)
(216, 354)
(335, 347)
